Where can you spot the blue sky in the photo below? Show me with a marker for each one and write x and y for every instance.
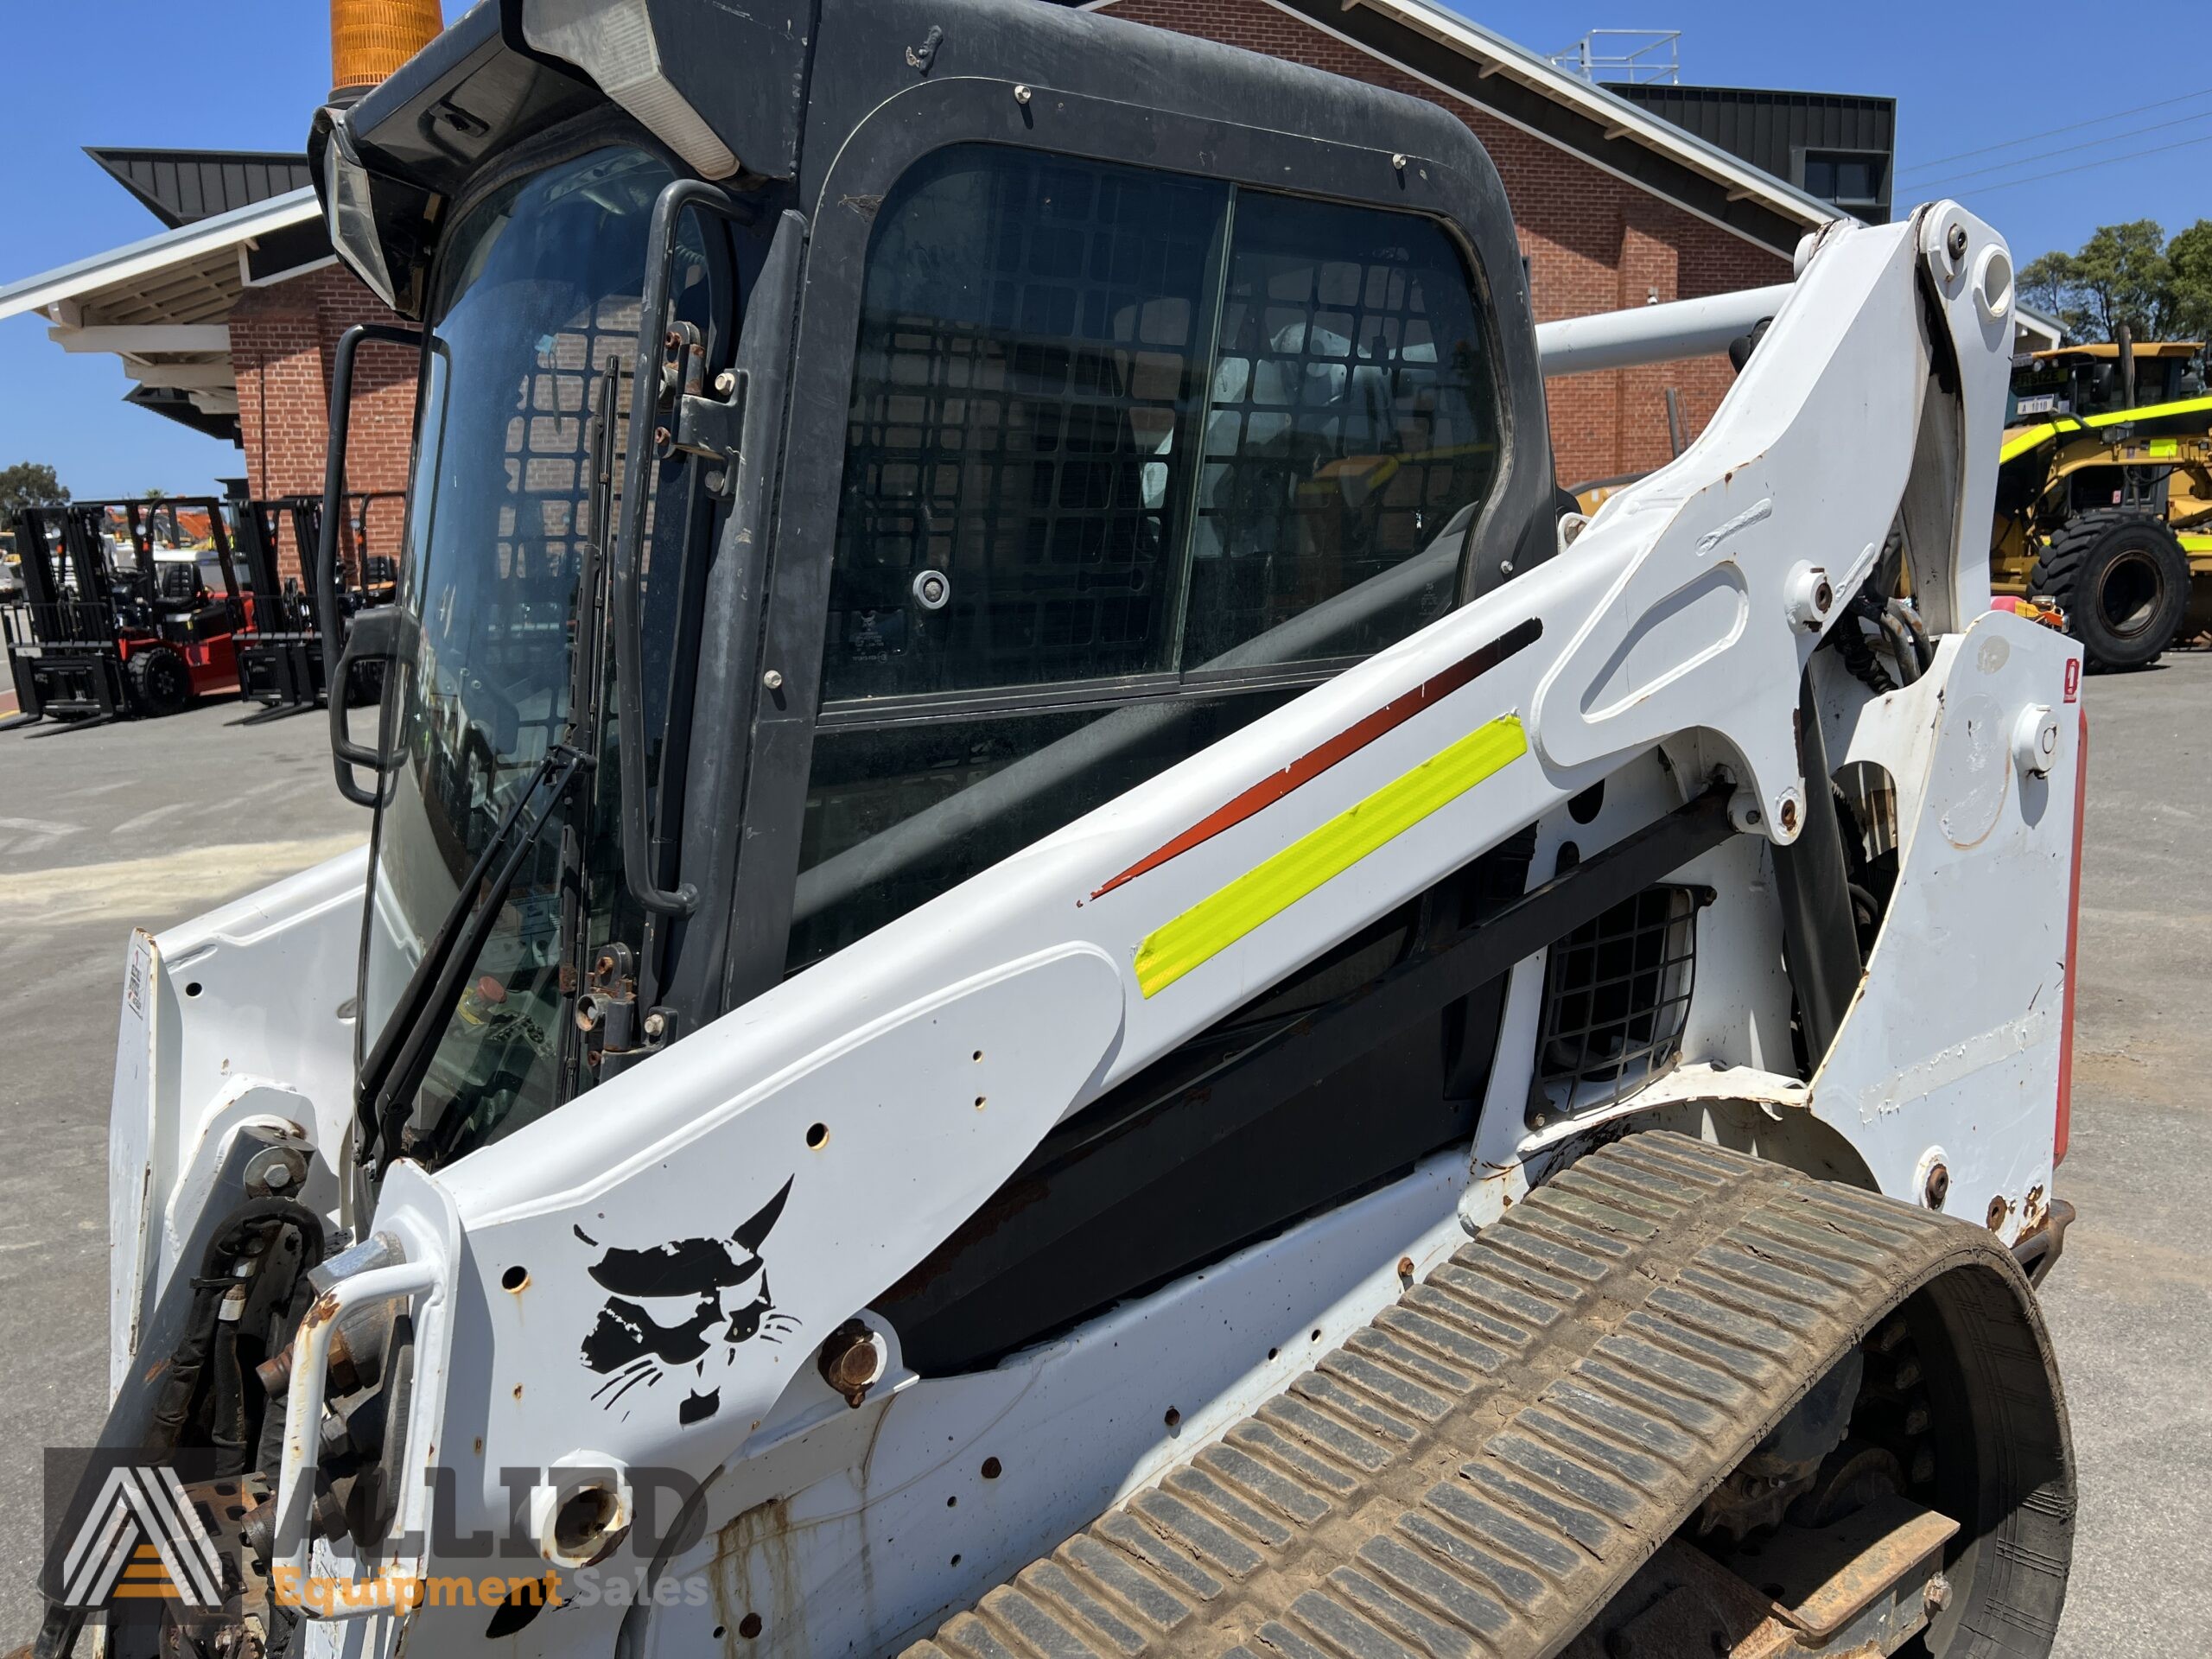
(247, 74)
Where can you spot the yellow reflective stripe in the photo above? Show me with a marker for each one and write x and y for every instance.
(2118, 417)
(2027, 441)
(1214, 923)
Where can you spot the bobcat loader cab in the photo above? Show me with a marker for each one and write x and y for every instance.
(1045, 966)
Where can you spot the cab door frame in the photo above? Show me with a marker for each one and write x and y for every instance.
(1512, 529)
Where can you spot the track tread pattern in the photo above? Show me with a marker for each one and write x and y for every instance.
(1474, 1473)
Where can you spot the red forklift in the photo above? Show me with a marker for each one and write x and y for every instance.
(125, 612)
(280, 654)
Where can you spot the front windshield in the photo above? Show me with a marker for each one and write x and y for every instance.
(537, 294)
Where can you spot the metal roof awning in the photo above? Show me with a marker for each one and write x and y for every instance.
(1618, 118)
(163, 305)
(183, 187)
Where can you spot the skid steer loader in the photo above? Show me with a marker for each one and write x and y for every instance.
(1046, 967)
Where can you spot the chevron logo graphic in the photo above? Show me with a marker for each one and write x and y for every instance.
(143, 1540)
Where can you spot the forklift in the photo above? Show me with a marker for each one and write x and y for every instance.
(280, 655)
(123, 615)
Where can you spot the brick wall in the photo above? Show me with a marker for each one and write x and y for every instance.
(1593, 242)
(281, 341)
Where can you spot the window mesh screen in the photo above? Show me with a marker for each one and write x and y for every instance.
(1617, 996)
(1031, 339)
(1348, 421)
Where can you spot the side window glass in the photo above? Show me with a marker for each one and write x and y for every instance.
(1031, 346)
(1350, 426)
(1130, 459)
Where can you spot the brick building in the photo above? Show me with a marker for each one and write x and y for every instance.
(228, 318)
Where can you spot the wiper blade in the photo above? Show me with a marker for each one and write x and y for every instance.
(393, 1071)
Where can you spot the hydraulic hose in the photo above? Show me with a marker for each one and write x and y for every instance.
(59, 1629)
(1903, 646)
(174, 1405)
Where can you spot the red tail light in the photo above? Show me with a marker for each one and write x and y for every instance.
(2073, 933)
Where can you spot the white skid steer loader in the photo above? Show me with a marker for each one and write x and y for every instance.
(1048, 967)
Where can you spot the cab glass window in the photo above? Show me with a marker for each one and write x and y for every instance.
(1131, 458)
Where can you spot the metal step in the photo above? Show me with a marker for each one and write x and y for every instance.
(1478, 1471)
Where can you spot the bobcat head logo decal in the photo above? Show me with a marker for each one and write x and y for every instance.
(688, 1303)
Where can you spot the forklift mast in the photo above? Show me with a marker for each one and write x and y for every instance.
(280, 655)
(99, 597)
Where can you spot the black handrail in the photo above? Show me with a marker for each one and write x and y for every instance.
(346, 754)
(669, 208)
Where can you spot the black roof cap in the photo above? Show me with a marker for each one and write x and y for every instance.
(180, 187)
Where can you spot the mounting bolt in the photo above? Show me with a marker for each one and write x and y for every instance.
(773, 679)
(852, 1361)
(1811, 596)
(2035, 741)
(1936, 1186)
(656, 1026)
(932, 590)
(726, 382)
(1022, 94)
(1398, 162)
(1955, 242)
(1786, 813)
(1937, 1595)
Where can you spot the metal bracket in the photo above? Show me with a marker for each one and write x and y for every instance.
(712, 427)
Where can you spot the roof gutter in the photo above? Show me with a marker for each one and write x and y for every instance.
(170, 247)
(1618, 117)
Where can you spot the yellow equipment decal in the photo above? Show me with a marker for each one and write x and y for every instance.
(1216, 922)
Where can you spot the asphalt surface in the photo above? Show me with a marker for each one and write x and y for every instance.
(103, 828)
(152, 822)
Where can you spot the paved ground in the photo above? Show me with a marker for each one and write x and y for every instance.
(102, 830)
(153, 823)
(2130, 1304)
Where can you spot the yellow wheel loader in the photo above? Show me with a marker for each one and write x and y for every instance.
(2104, 496)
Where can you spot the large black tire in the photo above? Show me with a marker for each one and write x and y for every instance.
(2122, 580)
(161, 683)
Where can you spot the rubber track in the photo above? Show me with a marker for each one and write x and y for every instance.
(1480, 1468)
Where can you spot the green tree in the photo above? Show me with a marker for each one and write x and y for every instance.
(2047, 283)
(2189, 257)
(2126, 273)
(29, 484)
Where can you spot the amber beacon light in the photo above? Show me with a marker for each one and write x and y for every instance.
(369, 39)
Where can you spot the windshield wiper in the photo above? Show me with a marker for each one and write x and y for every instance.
(393, 1071)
